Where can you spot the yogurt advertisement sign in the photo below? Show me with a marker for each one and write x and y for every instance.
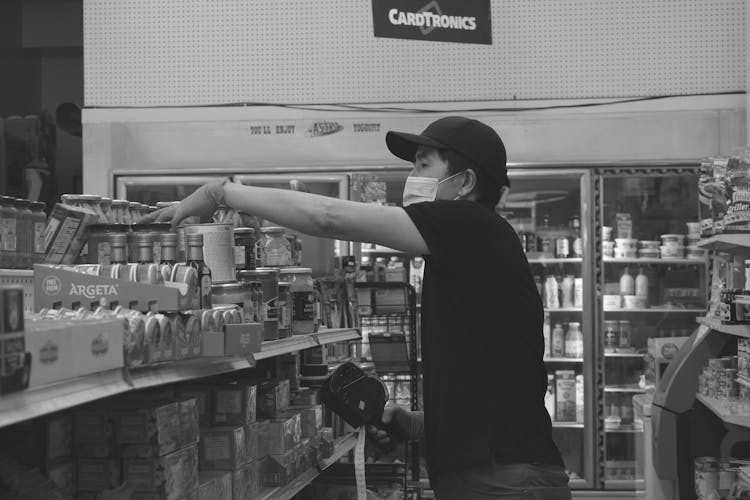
(460, 21)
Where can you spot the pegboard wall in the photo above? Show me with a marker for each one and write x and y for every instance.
(198, 52)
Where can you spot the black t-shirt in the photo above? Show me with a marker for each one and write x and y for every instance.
(482, 343)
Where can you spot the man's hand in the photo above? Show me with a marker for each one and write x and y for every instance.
(201, 203)
(406, 423)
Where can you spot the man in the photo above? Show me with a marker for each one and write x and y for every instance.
(486, 431)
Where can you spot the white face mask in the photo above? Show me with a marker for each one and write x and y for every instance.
(419, 189)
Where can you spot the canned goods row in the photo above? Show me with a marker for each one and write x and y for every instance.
(23, 227)
(617, 334)
(719, 379)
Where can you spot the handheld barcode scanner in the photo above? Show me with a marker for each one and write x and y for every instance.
(359, 399)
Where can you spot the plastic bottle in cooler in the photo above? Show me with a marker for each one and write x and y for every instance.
(558, 341)
(568, 284)
(546, 331)
(577, 242)
(579, 399)
(574, 341)
(551, 293)
(578, 293)
(627, 283)
(641, 286)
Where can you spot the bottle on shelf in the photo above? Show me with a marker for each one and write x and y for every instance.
(25, 233)
(39, 219)
(578, 293)
(168, 255)
(641, 286)
(546, 332)
(146, 270)
(576, 242)
(551, 293)
(574, 341)
(562, 244)
(195, 260)
(580, 400)
(627, 283)
(380, 269)
(568, 283)
(118, 267)
(558, 341)
(8, 231)
(545, 238)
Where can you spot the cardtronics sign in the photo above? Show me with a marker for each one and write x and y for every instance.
(462, 21)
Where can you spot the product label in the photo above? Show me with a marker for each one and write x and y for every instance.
(239, 256)
(578, 247)
(11, 235)
(64, 235)
(562, 247)
(277, 257)
(303, 305)
(205, 288)
(285, 317)
(270, 310)
(624, 226)
(738, 213)
(157, 252)
(104, 252)
(216, 447)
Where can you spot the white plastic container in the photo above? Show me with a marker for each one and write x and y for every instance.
(611, 302)
(672, 252)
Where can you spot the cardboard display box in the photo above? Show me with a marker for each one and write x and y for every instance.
(174, 475)
(233, 403)
(222, 448)
(157, 425)
(214, 485)
(273, 398)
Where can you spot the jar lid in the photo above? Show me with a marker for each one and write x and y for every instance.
(226, 287)
(38, 205)
(576, 323)
(109, 228)
(295, 270)
(284, 284)
(140, 228)
(194, 239)
(160, 227)
(244, 230)
(261, 271)
(626, 321)
(144, 239)
(272, 229)
(106, 199)
(22, 203)
(168, 239)
(118, 239)
(120, 203)
(86, 197)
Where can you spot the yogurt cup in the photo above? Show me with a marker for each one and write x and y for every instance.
(625, 253)
(672, 252)
(608, 248)
(692, 240)
(647, 253)
(673, 239)
(634, 302)
(694, 229)
(611, 302)
(696, 253)
(649, 245)
(606, 233)
(626, 243)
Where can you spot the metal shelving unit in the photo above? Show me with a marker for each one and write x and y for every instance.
(716, 325)
(563, 360)
(719, 409)
(686, 262)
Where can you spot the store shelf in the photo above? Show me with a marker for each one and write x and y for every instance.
(553, 260)
(16, 273)
(697, 262)
(718, 408)
(624, 484)
(624, 354)
(618, 388)
(743, 381)
(716, 325)
(382, 251)
(180, 371)
(658, 310)
(623, 430)
(566, 425)
(563, 360)
(730, 243)
(565, 310)
(39, 401)
(273, 348)
(341, 447)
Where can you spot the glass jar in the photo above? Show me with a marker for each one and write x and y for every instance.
(285, 310)
(135, 210)
(39, 224)
(275, 248)
(99, 241)
(87, 201)
(8, 231)
(105, 204)
(25, 233)
(248, 299)
(121, 212)
(244, 248)
(269, 315)
(155, 229)
(228, 293)
(303, 298)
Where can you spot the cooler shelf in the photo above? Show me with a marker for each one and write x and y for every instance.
(718, 409)
(699, 262)
(563, 360)
(553, 260)
(729, 243)
(716, 325)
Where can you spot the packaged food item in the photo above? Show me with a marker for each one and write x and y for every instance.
(579, 399)
(695, 253)
(171, 477)
(551, 293)
(189, 420)
(273, 398)
(154, 424)
(623, 225)
(611, 335)
(8, 232)
(252, 438)
(204, 273)
(278, 469)
(286, 306)
(705, 193)
(706, 476)
(234, 403)
(245, 242)
(649, 245)
(275, 248)
(672, 252)
(222, 448)
(228, 293)
(558, 341)
(281, 435)
(214, 485)
(673, 240)
(97, 474)
(92, 426)
(565, 405)
(303, 298)
(720, 199)
(311, 419)
(201, 393)
(217, 249)
(574, 341)
(737, 217)
(66, 233)
(121, 212)
(269, 293)
(246, 481)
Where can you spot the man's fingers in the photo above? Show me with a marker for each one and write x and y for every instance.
(163, 215)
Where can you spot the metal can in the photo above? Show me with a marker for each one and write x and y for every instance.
(218, 249)
(269, 288)
(706, 476)
(303, 298)
(166, 347)
(611, 333)
(624, 333)
(726, 384)
(244, 248)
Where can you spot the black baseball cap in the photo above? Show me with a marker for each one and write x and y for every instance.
(472, 139)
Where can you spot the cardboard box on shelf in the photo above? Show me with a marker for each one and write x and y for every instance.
(246, 481)
(51, 346)
(92, 425)
(202, 395)
(278, 470)
(665, 347)
(565, 391)
(252, 437)
(97, 345)
(233, 403)
(305, 396)
(214, 485)
(273, 398)
(262, 427)
(189, 425)
(222, 448)
(213, 344)
(281, 435)
(66, 233)
(311, 418)
(174, 475)
(157, 425)
(94, 474)
(242, 339)
(104, 449)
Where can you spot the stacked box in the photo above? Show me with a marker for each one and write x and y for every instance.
(171, 477)
(105, 449)
(326, 442)
(262, 427)
(281, 435)
(188, 408)
(92, 426)
(202, 395)
(273, 398)
(97, 474)
(246, 481)
(223, 448)
(305, 396)
(288, 367)
(233, 404)
(63, 475)
(311, 419)
(156, 427)
(278, 470)
(252, 437)
(214, 485)
(743, 357)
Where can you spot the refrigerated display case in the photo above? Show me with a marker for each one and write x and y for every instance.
(652, 287)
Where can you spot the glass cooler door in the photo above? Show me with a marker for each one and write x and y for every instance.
(152, 189)
(550, 210)
(653, 284)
